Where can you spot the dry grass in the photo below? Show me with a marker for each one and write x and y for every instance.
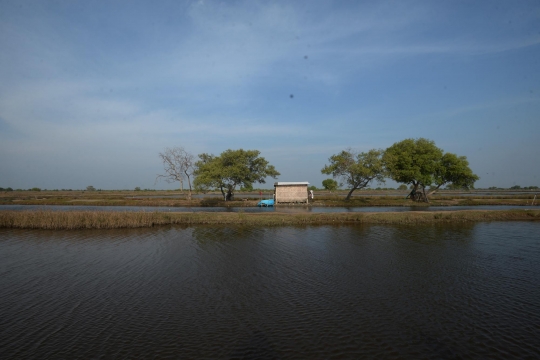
(43, 219)
(164, 199)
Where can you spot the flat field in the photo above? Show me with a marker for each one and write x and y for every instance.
(322, 198)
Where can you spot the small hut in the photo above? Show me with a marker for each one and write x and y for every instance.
(291, 192)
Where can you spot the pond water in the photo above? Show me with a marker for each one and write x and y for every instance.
(280, 208)
(463, 291)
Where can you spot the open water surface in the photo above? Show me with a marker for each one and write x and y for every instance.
(430, 292)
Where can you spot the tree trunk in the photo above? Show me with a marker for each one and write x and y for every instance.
(181, 184)
(433, 191)
(349, 194)
(412, 195)
(189, 193)
(223, 193)
(230, 192)
(425, 196)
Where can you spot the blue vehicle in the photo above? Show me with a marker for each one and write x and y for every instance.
(266, 203)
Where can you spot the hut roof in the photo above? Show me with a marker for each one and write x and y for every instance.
(282, 183)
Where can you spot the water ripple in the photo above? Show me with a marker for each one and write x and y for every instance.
(466, 291)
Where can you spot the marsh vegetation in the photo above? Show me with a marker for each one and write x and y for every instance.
(46, 219)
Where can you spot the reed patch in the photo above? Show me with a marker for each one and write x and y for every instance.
(56, 220)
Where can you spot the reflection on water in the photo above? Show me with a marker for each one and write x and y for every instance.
(464, 291)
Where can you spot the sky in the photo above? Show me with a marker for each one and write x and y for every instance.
(92, 91)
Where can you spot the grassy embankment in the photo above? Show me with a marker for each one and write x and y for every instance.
(109, 220)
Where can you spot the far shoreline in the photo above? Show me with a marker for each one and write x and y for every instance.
(364, 198)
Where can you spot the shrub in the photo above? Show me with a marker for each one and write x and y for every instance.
(330, 184)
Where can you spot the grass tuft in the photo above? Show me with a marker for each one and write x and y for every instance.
(55, 220)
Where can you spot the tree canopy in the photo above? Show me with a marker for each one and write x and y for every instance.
(231, 169)
(422, 164)
(356, 169)
(330, 184)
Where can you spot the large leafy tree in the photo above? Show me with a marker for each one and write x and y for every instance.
(356, 169)
(420, 163)
(231, 169)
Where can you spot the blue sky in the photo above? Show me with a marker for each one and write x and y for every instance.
(92, 91)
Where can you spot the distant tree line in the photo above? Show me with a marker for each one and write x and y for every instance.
(418, 164)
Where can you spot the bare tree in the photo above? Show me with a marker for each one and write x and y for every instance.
(179, 165)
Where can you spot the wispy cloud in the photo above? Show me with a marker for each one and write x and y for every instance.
(280, 76)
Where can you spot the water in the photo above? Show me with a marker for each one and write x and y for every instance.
(464, 291)
(280, 208)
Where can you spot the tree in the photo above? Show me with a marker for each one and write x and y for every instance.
(179, 165)
(90, 188)
(356, 169)
(453, 187)
(231, 169)
(330, 184)
(422, 164)
(402, 187)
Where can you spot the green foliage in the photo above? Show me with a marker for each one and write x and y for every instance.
(231, 169)
(455, 170)
(413, 161)
(330, 184)
(137, 189)
(515, 187)
(35, 189)
(312, 187)
(356, 169)
(90, 188)
(402, 187)
(422, 164)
